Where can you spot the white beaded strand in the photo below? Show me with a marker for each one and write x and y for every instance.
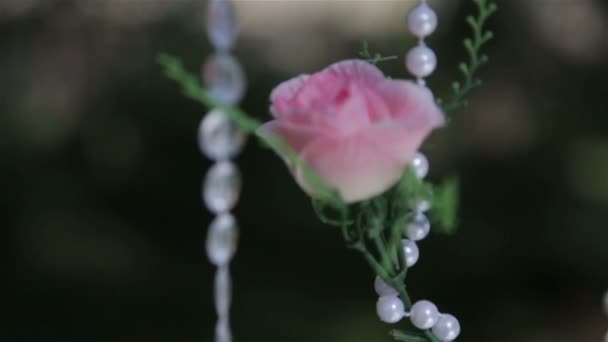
(390, 309)
(447, 328)
(220, 140)
(421, 61)
(419, 228)
(411, 252)
(420, 164)
(222, 26)
(383, 289)
(424, 314)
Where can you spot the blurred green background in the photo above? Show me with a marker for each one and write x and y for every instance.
(101, 176)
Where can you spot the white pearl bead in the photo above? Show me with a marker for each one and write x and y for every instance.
(421, 61)
(221, 240)
(424, 314)
(390, 309)
(222, 330)
(422, 20)
(420, 164)
(447, 328)
(223, 76)
(219, 138)
(222, 187)
(420, 206)
(222, 290)
(221, 24)
(411, 252)
(383, 289)
(419, 228)
(606, 337)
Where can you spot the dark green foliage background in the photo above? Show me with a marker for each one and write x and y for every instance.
(101, 204)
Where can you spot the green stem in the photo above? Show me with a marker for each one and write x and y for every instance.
(473, 46)
(385, 258)
(192, 89)
(396, 282)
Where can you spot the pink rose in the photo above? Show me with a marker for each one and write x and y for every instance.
(355, 128)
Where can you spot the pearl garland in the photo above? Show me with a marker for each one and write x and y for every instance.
(424, 314)
(220, 140)
(447, 328)
(421, 61)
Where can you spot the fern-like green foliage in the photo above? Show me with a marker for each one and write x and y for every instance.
(445, 206)
(373, 58)
(481, 36)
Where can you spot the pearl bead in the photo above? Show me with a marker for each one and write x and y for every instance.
(383, 289)
(424, 314)
(223, 290)
(390, 309)
(420, 164)
(421, 61)
(606, 337)
(219, 138)
(222, 187)
(422, 20)
(221, 24)
(411, 252)
(221, 240)
(419, 228)
(224, 78)
(420, 206)
(447, 328)
(222, 330)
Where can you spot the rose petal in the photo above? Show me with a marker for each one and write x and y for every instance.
(396, 139)
(350, 116)
(318, 91)
(377, 108)
(286, 91)
(357, 70)
(297, 137)
(412, 103)
(357, 168)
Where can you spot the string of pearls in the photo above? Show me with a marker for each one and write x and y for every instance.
(421, 62)
(220, 140)
(423, 314)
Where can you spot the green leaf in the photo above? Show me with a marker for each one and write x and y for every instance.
(399, 335)
(364, 50)
(411, 187)
(473, 45)
(373, 58)
(329, 213)
(445, 206)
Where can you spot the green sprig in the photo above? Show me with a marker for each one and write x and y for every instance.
(445, 205)
(473, 46)
(373, 58)
(191, 87)
(399, 335)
